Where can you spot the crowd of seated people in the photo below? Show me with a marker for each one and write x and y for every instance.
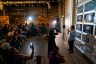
(13, 37)
(39, 29)
(21, 30)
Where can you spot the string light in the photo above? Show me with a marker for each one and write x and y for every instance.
(25, 2)
(23, 5)
(10, 2)
(1, 6)
(4, 3)
(31, 2)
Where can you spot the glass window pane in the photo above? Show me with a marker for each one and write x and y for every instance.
(84, 38)
(88, 29)
(90, 6)
(89, 17)
(79, 27)
(79, 18)
(78, 35)
(80, 9)
(95, 30)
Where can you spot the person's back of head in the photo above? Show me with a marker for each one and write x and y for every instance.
(55, 49)
(72, 27)
(7, 39)
(12, 56)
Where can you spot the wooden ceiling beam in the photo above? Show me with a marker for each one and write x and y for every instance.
(26, 2)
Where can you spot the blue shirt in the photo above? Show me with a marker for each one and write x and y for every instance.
(72, 35)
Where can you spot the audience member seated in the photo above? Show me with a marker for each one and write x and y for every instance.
(15, 43)
(6, 44)
(4, 48)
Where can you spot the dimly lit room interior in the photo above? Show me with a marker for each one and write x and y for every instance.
(47, 31)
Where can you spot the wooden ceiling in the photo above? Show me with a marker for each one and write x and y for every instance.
(24, 8)
(25, 0)
(33, 0)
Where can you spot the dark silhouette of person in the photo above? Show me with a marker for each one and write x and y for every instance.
(55, 57)
(14, 57)
(51, 40)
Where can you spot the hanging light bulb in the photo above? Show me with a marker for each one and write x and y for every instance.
(23, 5)
(44, 4)
(10, 1)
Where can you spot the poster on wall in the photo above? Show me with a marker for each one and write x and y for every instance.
(4, 19)
(45, 19)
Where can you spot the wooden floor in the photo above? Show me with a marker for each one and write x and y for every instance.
(41, 49)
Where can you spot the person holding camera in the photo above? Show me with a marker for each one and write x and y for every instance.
(14, 57)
